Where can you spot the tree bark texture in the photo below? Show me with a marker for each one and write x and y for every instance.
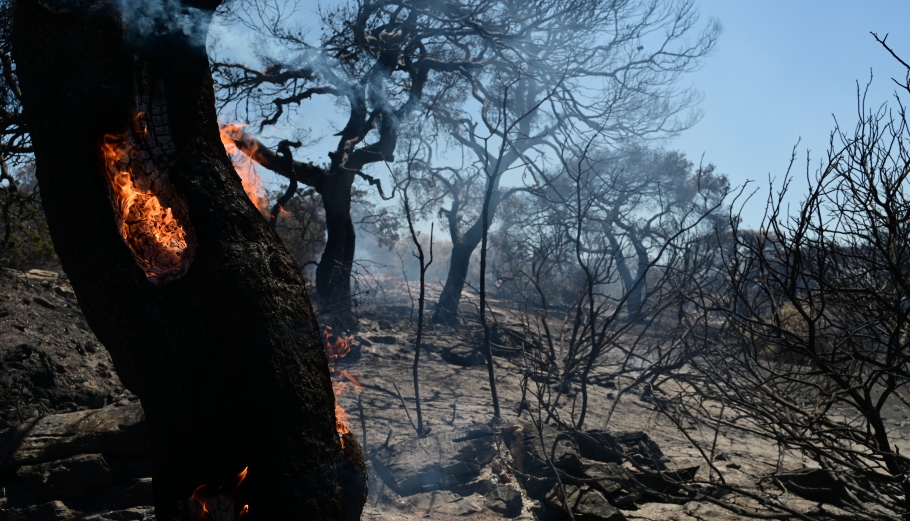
(226, 357)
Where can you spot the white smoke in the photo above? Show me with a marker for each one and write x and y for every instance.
(147, 19)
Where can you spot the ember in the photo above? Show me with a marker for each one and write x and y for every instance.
(245, 166)
(150, 214)
(338, 347)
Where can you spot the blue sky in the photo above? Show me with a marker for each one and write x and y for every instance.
(781, 72)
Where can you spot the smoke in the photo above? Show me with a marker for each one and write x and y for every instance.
(146, 20)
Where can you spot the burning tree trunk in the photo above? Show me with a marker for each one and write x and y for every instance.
(334, 184)
(203, 311)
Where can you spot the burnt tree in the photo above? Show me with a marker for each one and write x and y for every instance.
(386, 37)
(204, 312)
(393, 64)
(541, 85)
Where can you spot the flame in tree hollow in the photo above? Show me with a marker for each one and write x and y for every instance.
(144, 204)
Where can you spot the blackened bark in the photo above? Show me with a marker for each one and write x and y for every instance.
(333, 274)
(227, 358)
(630, 283)
(463, 246)
(633, 284)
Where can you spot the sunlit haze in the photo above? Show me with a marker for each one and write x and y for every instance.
(781, 73)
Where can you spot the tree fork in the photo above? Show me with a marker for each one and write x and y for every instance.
(226, 356)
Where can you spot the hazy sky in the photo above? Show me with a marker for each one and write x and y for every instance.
(781, 71)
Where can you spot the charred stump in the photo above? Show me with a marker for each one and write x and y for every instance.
(204, 312)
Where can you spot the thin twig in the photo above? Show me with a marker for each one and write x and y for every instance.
(406, 411)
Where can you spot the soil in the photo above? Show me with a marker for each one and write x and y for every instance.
(51, 363)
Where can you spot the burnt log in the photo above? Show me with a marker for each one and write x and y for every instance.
(206, 316)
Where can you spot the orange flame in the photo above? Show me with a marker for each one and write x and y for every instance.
(244, 164)
(199, 501)
(197, 497)
(338, 347)
(241, 477)
(157, 240)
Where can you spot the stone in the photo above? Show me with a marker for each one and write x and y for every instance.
(65, 292)
(505, 500)
(616, 446)
(445, 503)
(130, 514)
(383, 339)
(438, 462)
(815, 485)
(609, 478)
(44, 302)
(533, 453)
(42, 275)
(463, 506)
(119, 432)
(137, 493)
(667, 481)
(463, 356)
(586, 503)
(478, 486)
(69, 478)
(506, 341)
(369, 325)
(385, 324)
(50, 511)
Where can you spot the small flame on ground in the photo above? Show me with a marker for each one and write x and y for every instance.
(338, 347)
(244, 165)
(241, 477)
(203, 507)
(199, 501)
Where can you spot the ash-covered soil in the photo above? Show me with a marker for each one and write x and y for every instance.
(73, 444)
(50, 362)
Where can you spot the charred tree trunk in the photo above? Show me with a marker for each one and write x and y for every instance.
(221, 345)
(446, 311)
(333, 274)
(632, 284)
(334, 185)
(463, 247)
